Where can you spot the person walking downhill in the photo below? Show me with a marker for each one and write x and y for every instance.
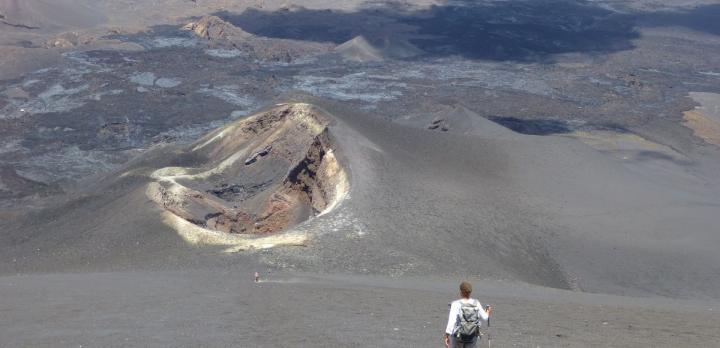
(464, 321)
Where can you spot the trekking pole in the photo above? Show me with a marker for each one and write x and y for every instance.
(487, 309)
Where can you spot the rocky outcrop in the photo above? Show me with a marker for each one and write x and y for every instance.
(71, 39)
(214, 28)
(439, 124)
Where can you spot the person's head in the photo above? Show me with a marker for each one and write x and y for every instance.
(465, 289)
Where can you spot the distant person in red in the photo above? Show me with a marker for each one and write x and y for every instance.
(257, 277)
(464, 321)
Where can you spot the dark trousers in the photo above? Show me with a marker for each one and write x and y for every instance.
(455, 344)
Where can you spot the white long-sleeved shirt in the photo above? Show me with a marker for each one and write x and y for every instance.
(454, 317)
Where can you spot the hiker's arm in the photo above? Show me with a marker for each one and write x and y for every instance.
(452, 318)
(483, 314)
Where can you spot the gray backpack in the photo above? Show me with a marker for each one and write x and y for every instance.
(468, 328)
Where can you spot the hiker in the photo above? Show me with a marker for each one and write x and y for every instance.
(463, 327)
(257, 277)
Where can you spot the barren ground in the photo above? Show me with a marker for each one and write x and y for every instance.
(366, 156)
(220, 309)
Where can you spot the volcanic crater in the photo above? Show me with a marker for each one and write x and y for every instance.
(257, 176)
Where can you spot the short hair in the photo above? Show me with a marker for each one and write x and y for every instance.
(465, 288)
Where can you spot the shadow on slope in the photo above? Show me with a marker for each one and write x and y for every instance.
(608, 138)
(701, 18)
(533, 127)
(517, 30)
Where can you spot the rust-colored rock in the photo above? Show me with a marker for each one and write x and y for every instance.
(259, 175)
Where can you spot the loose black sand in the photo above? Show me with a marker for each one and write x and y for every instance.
(226, 308)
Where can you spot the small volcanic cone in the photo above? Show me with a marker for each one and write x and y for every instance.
(359, 49)
(260, 175)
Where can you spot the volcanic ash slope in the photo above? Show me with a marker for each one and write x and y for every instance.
(494, 203)
(321, 187)
(48, 15)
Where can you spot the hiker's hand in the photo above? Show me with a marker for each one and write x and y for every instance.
(446, 338)
(489, 310)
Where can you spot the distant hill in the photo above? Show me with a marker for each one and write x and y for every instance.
(218, 32)
(49, 15)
